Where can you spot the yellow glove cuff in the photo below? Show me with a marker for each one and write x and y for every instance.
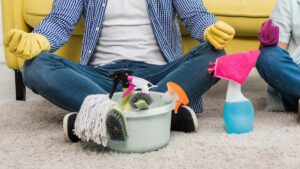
(43, 42)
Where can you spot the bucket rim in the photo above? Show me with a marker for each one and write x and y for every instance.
(149, 113)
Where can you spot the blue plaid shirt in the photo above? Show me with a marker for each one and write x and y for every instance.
(60, 23)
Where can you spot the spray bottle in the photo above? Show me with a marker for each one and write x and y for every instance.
(175, 92)
(238, 110)
(140, 100)
(116, 120)
(139, 83)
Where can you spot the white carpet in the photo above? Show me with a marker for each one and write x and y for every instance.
(31, 137)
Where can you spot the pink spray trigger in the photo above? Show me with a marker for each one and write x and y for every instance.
(234, 67)
(130, 88)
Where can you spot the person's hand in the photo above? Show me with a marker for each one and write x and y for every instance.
(26, 45)
(219, 34)
(269, 34)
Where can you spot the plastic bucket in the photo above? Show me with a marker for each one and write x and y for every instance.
(148, 130)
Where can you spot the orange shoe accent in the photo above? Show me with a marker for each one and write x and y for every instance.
(174, 88)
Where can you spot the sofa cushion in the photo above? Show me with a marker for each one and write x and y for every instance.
(245, 16)
(36, 10)
(240, 8)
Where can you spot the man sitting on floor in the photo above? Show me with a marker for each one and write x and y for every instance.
(143, 36)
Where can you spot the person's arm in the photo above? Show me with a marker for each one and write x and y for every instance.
(281, 17)
(60, 23)
(283, 45)
(194, 16)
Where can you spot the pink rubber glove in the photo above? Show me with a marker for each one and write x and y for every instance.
(269, 34)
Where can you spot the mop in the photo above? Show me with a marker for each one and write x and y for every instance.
(99, 116)
(90, 122)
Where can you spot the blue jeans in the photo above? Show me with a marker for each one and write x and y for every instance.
(278, 69)
(66, 83)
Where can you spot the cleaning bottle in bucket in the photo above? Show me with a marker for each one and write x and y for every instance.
(238, 110)
(117, 115)
(140, 100)
(130, 100)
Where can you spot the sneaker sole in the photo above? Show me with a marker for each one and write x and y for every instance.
(194, 117)
(65, 127)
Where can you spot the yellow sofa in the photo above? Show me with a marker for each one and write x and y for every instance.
(246, 16)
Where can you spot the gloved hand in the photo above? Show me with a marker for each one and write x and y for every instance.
(26, 45)
(219, 34)
(269, 34)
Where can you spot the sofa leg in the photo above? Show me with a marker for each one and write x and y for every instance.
(20, 86)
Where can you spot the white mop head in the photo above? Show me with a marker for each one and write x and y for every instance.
(90, 123)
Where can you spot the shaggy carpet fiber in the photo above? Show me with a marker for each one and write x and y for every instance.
(31, 137)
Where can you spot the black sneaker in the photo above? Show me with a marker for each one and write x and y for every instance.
(185, 120)
(69, 126)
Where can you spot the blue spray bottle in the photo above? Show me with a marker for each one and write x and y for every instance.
(238, 111)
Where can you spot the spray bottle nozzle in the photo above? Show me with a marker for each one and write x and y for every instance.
(175, 90)
(138, 83)
(120, 75)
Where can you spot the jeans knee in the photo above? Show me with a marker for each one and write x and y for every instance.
(269, 56)
(207, 50)
(35, 69)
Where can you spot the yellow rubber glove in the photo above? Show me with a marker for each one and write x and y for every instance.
(26, 45)
(219, 34)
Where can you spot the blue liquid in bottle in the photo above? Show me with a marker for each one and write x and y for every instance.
(238, 117)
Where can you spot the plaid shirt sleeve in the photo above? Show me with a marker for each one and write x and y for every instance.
(59, 24)
(194, 16)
